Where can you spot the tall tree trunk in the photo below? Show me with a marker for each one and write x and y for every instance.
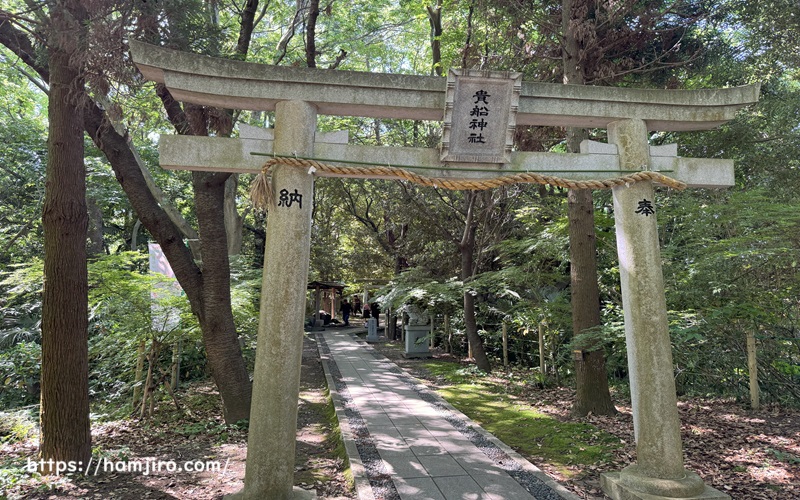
(213, 298)
(435, 20)
(246, 28)
(592, 394)
(467, 249)
(219, 332)
(65, 427)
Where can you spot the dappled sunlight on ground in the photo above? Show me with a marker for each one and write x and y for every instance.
(749, 455)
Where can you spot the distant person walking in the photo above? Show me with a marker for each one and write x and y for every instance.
(346, 309)
(366, 311)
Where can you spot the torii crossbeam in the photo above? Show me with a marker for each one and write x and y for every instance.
(297, 95)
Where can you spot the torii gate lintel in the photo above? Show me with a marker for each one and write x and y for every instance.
(298, 95)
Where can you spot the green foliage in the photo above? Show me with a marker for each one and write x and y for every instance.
(453, 373)
(122, 315)
(20, 367)
(20, 335)
(23, 153)
(12, 473)
(410, 288)
(21, 304)
(17, 426)
(730, 266)
(245, 296)
(785, 457)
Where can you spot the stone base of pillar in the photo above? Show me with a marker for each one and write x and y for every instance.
(628, 485)
(298, 493)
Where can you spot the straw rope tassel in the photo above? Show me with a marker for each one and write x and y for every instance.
(262, 195)
(261, 191)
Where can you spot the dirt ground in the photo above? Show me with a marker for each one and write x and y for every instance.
(199, 436)
(749, 455)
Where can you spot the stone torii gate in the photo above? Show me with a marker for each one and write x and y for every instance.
(297, 95)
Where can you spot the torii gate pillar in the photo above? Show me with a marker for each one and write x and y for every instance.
(276, 380)
(658, 472)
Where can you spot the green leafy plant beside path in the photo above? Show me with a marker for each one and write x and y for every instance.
(530, 432)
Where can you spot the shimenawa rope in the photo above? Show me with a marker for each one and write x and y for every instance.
(262, 195)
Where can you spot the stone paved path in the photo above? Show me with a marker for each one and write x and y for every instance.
(404, 442)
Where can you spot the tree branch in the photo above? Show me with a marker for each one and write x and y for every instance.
(311, 33)
(18, 43)
(339, 58)
(283, 43)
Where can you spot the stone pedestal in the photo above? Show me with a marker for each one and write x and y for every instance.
(297, 493)
(372, 330)
(417, 341)
(269, 472)
(658, 472)
(628, 485)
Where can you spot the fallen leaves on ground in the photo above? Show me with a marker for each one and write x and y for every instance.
(200, 435)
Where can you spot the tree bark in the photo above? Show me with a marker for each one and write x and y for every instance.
(311, 34)
(592, 394)
(246, 28)
(64, 418)
(435, 20)
(219, 332)
(204, 289)
(213, 307)
(467, 249)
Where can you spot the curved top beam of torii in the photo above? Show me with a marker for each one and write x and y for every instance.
(241, 85)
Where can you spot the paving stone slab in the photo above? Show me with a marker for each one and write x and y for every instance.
(411, 444)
